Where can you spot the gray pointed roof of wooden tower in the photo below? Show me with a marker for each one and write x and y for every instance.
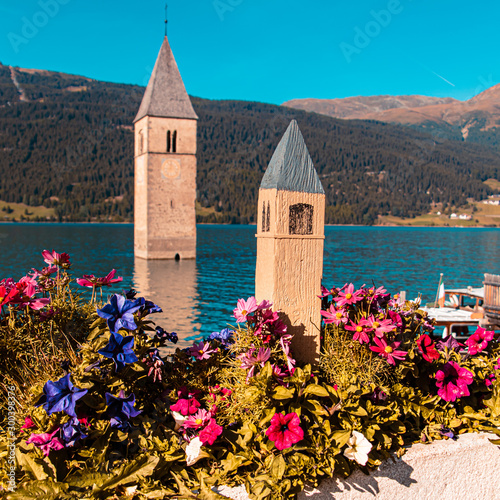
(291, 167)
(165, 95)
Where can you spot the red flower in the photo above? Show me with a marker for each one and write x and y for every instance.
(388, 351)
(452, 381)
(211, 432)
(285, 430)
(427, 348)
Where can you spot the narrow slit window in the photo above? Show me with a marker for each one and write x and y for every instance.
(264, 226)
(174, 142)
(301, 219)
(169, 141)
(268, 217)
(141, 142)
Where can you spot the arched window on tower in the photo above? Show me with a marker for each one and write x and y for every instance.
(169, 141)
(301, 219)
(174, 142)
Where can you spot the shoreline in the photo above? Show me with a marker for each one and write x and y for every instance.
(435, 226)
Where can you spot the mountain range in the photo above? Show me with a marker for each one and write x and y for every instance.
(475, 120)
(66, 143)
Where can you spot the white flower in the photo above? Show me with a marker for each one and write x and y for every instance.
(358, 449)
(193, 450)
(179, 419)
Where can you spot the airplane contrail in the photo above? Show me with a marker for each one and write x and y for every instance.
(443, 78)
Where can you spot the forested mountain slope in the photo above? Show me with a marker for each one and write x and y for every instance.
(66, 142)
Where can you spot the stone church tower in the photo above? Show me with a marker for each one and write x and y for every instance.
(165, 166)
(290, 240)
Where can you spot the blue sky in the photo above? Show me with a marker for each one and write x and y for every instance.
(265, 50)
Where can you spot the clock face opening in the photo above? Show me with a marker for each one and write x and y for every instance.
(171, 169)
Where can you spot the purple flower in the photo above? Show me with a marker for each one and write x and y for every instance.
(130, 294)
(201, 350)
(148, 307)
(119, 349)
(450, 342)
(71, 432)
(164, 335)
(60, 396)
(225, 337)
(121, 408)
(46, 442)
(119, 313)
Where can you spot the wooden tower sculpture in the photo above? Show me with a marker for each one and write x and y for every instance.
(165, 166)
(290, 240)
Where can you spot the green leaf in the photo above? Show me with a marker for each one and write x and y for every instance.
(278, 467)
(316, 390)
(31, 465)
(341, 437)
(142, 467)
(282, 393)
(44, 490)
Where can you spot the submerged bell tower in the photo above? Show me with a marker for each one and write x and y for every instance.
(165, 166)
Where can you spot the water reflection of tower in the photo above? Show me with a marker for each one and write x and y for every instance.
(171, 285)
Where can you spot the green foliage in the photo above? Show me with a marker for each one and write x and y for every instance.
(241, 386)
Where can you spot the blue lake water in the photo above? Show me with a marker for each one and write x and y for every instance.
(199, 296)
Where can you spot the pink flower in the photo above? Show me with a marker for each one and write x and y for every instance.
(479, 341)
(349, 296)
(7, 296)
(58, 259)
(250, 362)
(359, 332)
(285, 345)
(388, 351)
(211, 432)
(285, 430)
(244, 308)
(452, 381)
(45, 272)
(427, 349)
(396, 318)
(197, 420)
(489, 380)
(46, 442)
(90, 281)
(333, 315)
(379, 327)
(201, 350)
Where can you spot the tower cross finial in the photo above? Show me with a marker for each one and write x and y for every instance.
(166, 18)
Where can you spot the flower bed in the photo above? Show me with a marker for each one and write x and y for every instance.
(104, 415)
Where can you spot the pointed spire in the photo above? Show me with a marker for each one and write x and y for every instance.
(291, 167)
(165, 95)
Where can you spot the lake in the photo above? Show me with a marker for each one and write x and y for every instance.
(198, 296)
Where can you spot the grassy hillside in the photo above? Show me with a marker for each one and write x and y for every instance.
(69, 147)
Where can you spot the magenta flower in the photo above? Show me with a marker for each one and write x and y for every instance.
(28, 423)
(197, 420)
(187, 404)
(452, 381)
(244, 308)
(427, 349)
(90, 281)
(379, 327)
(285, 430)
(201, 350)
(349, 296)
(54, 258)
(265, 304)
(334, 315)
(46, 442)
(7, 296)
(211, 432)
(479, 341)
(359, 332)
(285, 345)
(388, 351)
